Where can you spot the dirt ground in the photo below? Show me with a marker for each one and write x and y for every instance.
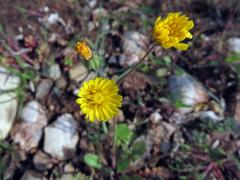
(37, 45)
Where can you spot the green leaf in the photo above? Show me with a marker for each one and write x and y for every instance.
(179, 104)
(2, 167)
(144, 68)
(179, 72)
(130, 177)
(167, 60)
(96, 62)
(200, 176)
(186, 147)
(217, 153)
(80, 176)
(92, 160)
(68, 62)
(122, 135)
(235, 57)
(4, 145)
(161, 72)
(123, 162)
(138, 149)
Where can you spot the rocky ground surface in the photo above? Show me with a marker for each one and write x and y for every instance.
(187, 115)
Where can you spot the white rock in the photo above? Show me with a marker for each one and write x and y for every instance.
(156, 117)
(8, 101)
(134, 46)
(53, 18)
(31, 86)
(234, 44)
(55, 72)
(46, 9)
(90, 26)
(78, 72)
(99, 13)
(61, 137)
(206, 115)
(112, 60)
(43, 88)
(186, 90)
(92, 3)
(32, 112)
(8, 110)
(8, 81)
(28, 132)
(216, 143)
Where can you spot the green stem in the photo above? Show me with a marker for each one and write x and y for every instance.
(98, 68)
(114, 149)
(105, 129)
(119, 81)
(133, 68)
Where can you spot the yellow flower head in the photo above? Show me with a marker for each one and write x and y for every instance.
(84, 50)
(169, 32)
(99, 99)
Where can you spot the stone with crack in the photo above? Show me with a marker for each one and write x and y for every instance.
(61, 137)
(8, 101)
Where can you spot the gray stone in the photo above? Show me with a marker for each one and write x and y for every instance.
(99, 13)
(8, 111)
(28, 132)
(234, 44)
(8, 101)
(134, 46)
(156, 117)
(42, 161)
(78, 72)
(44, 88)
(112, 60)
(92, 3)
(55, 72)
(8, 81)
(33, 112)
(61, 83)
(185, 89)
(61, 137)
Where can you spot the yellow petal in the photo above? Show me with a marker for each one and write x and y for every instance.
(181, 46)
(190, 25)
(172, 30)
(189, 35)
(91, 116)
(96, 109)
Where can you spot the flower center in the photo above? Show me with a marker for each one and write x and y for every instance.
(98, 98)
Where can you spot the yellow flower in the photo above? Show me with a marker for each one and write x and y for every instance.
(169, 32)
(99, 99)
(84, 50)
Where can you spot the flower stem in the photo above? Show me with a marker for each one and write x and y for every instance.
(133, 68)
(119, 81)
(105, 129)
(114, 149)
